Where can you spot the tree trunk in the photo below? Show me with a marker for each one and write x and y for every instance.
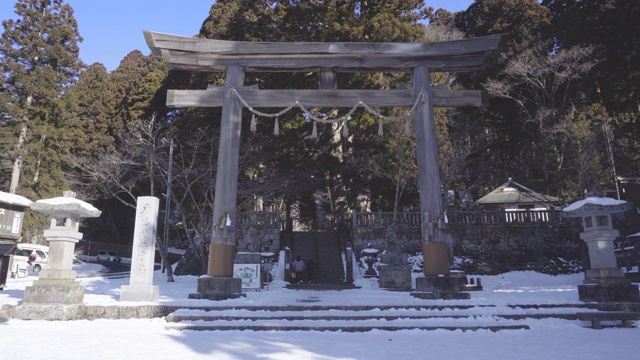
(17, 164)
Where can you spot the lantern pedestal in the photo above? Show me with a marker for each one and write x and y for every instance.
(604, 281)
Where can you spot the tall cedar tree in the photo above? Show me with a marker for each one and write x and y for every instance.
(38, 62)
(611, 26)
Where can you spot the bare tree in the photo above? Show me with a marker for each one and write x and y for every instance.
(546, 87)
(136, 169)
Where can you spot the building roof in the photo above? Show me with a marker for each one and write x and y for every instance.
(513, 193)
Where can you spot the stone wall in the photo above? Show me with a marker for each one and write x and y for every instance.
(491, 248)
(499, 248)
(258, 232)
(406, 239)
(258, 239)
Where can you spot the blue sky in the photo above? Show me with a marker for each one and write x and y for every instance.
(113, 28)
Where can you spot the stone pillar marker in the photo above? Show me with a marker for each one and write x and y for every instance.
(57, 283)
(141, 286)
(604, 281)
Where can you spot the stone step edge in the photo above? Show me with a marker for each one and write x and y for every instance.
(194, 327)
(173, 318)
(275, 308)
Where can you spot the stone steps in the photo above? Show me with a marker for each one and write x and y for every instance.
(324, 248)
(364, 318)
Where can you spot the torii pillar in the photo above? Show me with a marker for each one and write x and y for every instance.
(435, 247)
(219, 283)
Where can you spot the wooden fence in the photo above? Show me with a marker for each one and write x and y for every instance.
(477, 217)
(257, 219)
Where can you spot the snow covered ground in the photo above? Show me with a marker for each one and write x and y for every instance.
(148, 338)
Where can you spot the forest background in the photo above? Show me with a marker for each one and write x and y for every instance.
(563, 114)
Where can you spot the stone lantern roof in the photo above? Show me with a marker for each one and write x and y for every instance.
(596, 205)
(66, 206)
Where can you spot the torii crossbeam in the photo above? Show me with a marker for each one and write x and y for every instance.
(236, 58)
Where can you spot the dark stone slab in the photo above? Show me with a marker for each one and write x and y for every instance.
(443, 296)
(609, 293)
(440, 287)
(218, 288)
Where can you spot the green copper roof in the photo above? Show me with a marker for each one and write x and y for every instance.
(513, 193)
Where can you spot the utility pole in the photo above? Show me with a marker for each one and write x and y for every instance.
(167, 210)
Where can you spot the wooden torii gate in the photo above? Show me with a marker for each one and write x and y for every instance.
(236, 58)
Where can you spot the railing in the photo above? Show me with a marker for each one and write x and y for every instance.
(385, 219)
(258, 219)
(476, 217)
(515, 217)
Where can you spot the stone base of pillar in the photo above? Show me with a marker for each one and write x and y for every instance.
(54, 292)
(394, 277)
(49, 312)
(440, 287)
(605, 276)
(139, 293)
(218, 288)
(609, 293)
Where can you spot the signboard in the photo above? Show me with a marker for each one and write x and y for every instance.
(250, 275)
(10, 221)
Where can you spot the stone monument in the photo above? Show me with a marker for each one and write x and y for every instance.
(394, 272)
(141, 286)
(57, 283)
(604, 281)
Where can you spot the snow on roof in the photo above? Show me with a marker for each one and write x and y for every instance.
(14, 199)
(598, 201)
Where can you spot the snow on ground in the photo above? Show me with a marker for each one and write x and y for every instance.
(148, 339)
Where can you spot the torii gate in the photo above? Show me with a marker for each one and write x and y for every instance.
(235, 58)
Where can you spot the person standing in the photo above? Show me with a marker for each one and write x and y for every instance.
(298, 268)
(310, 266)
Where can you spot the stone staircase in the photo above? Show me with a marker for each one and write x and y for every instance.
(325, 250)
(366, 318)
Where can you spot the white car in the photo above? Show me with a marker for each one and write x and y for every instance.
(108, 256)
(30, 255)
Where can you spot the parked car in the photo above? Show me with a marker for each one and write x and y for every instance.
(108, 256)
(29, 255)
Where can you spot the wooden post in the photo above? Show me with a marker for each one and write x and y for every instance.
(222, 249)
(328, 79)
(427, 155)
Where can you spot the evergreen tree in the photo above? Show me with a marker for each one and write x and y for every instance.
(38, 62)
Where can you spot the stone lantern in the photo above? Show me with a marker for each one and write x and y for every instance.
(604, 281)
(57, 283)
(371, 257)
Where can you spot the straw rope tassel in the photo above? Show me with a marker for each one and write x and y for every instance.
(276, 128)
(253, 126)
(380, 131)
(345, 129)
(314, 132)
(407, 127)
